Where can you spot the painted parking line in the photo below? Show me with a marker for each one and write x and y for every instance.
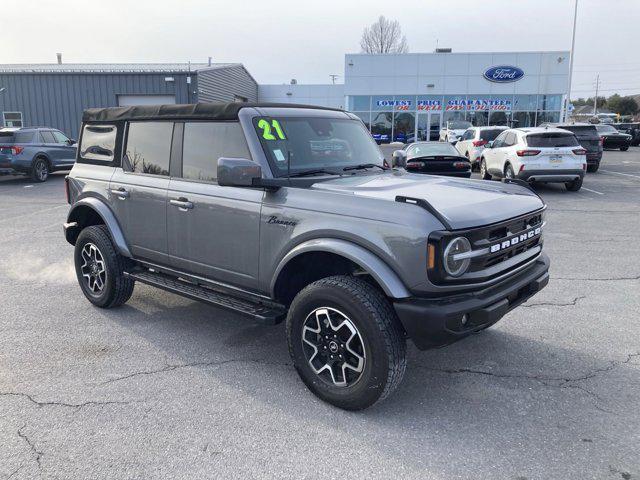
(592, 191)
(618, 173)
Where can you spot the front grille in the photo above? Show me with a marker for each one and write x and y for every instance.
(487, 266)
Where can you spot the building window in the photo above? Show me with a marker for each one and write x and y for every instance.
(12, 119)
(149, 147)
(523, 119)
(524, 103)
(549, 102)
(404, 124)
(359, 103)
(381, 123)
(365, 117)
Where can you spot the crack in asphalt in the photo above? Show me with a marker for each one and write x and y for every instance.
(77, 406)
(170, 368)
(610, 279)
(32, 447)
(572, 303)
(556, 382)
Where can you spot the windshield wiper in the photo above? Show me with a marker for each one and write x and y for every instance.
(305, 173)
(363, 166)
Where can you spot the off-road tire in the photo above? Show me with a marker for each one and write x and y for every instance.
(40, 170)
(574, 186)
(484, 173)
(382, 336)
(593, 168)
(117, 287)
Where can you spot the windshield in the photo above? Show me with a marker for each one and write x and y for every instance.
(606, 129)
(432, 149)
(315, 143)
(459, 125)
(581, 130)
(552, 140)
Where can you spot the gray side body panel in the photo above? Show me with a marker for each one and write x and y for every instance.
(218, 237)
(89, 186)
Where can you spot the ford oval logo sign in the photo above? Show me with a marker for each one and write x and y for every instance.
(503, 74)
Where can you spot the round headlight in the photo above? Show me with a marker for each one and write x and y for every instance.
(458, 245)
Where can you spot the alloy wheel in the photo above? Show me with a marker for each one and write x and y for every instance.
(333, 347)
(483, 169)
(93, 268)
(42, 170)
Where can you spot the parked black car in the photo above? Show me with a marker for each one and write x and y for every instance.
(632, 129)
(434, 158)
(612, 138)
(589, 139)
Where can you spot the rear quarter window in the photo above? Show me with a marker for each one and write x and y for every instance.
(98, 143)
(552, 140)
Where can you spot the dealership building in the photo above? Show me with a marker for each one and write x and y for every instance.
(402, 95)
(398, 96)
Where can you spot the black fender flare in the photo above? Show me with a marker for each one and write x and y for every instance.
(73, 227)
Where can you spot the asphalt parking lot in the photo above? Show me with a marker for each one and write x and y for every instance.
(165, 387)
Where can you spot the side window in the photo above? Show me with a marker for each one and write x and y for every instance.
(47, 136)
(60, 137)
(205, 142)
(23, 137)
(98, 142)
(499, 141)
(149, 147)
(509, 139)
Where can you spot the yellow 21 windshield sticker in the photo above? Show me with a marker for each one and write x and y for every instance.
(271, 130)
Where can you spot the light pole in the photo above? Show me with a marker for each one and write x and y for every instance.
(573, 44)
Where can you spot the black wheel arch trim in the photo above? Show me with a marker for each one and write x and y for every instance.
(73, 227)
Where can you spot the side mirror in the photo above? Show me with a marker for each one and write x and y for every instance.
(238, 172)
(71, 141)
(490, 144)
(399, 159)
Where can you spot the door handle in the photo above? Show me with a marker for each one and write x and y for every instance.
(121, 193)
(182, 203)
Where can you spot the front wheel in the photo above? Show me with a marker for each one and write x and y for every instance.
(100, 268)
(574, 186)
(346, 342)
(483, 170)
(624, 149)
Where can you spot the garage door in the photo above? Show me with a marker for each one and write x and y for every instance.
(126, 100)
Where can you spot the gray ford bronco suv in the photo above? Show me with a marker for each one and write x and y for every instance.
(291, 212)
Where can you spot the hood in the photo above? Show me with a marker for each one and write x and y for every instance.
(463, 203)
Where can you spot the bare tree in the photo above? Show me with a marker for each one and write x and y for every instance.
(384, 36)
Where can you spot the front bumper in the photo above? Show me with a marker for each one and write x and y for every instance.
(436, 322)
(551, 176)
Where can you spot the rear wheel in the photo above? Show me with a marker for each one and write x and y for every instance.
(624, 149)
(346, 342)
(100, 268)
(508, 171)
(574, 186)
(483, 170)
(40, 170)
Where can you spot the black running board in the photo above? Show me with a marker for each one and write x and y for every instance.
(259, 312)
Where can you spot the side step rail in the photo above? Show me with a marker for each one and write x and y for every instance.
(259, 312)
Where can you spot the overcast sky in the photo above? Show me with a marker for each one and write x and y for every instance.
(282, 39)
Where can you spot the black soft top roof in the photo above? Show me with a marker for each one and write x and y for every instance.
(209, 111)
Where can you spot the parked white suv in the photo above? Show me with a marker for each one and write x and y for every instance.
(453, 130)
(546, 155)
(475, 140)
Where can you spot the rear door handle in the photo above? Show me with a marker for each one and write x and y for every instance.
(121, 193)
(182, 203)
